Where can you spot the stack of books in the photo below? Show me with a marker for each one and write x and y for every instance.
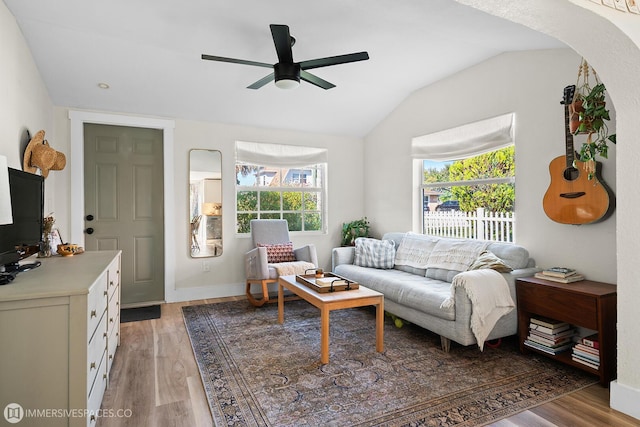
(587, 351)
(550, 336)
(560, 274)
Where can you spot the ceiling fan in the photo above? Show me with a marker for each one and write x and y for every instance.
(286, 73)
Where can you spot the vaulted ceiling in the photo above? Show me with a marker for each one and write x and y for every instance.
(149, 54)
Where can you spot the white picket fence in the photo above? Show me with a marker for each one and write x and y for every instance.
(496, 226)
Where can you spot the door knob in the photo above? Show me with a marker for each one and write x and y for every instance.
(89, 217)
(89, 230)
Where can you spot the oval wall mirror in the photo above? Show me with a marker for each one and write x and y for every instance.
(205, 203)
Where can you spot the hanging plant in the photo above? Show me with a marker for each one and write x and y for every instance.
(589, 115)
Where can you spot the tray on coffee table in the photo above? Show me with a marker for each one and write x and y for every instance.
(333, 282)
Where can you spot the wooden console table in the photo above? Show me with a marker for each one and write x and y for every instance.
(588, 304)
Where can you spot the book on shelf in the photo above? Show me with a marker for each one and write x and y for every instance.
(569, 279)
(555, 325)
(587, 349)
(559, 271)
(586, 356)
(555, 335)
(552, 334)
(585, 362)
(591, 341)
(549, 342)
(546, 349)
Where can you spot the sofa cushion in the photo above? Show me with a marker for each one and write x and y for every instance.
(453, 256)
(417, 292)
(488, 259)
(374, 253)
(282, 252)
(515, 256)
(414, 250)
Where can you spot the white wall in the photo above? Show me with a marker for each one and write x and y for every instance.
(226, 273)
(531, 85)
(24, 100)
(610, 40)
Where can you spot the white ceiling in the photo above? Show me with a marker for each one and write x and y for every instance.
(148, 51)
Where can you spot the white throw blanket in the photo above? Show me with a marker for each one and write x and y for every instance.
(450, 254)
(490, 299)
(293, 267)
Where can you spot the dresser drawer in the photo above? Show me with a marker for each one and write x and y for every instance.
(557, 304)
(94, 400)
(113, 341)
(113, 310)
(113, 274)
(96, 305)
(95, 351)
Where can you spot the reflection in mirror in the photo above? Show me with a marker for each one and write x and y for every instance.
(205, 203)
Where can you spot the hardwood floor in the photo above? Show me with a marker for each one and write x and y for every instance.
(155, 382)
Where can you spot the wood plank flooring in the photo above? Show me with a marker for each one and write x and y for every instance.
(155, 382)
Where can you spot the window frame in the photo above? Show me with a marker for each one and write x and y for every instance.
(321, 191)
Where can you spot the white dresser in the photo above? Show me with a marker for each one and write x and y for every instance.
(59, 331)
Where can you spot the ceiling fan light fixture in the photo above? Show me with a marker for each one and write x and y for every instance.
(287, 76)
(287, 83)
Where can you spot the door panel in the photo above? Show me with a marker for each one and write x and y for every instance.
(124, 193)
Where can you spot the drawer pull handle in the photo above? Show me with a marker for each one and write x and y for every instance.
(104, 376)
(93, 313)
(111, 283)
(111, 320)
(93, 365)
(104, 335)
(106, 293)
(92, 418)
(110, 356)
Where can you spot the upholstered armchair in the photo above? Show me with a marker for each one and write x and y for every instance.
(273, 255)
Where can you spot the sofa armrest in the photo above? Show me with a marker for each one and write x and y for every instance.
(307, 253)
(256, 265)
(342, 255)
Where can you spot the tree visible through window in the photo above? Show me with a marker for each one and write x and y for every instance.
(485, 182)
(294, 194)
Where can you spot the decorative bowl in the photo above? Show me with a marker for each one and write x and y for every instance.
(67, 249)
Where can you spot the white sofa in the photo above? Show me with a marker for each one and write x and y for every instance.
(417, 294)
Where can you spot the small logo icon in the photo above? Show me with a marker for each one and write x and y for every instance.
(13, 413)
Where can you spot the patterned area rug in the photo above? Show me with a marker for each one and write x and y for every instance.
(257, 372)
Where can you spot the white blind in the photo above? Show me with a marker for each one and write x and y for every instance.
(258, 153)
(465, 141)
(6, 215)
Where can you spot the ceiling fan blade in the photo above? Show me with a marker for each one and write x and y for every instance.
(315, 80)
(282, 41)
(236, 61)
(334, 60)
(263, 81)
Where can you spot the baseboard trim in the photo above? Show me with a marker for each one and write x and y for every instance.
(625, 399)
(205, 292)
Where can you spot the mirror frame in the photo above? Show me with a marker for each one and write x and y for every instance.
(205, 204)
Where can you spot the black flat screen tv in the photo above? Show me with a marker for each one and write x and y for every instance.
(20, 239)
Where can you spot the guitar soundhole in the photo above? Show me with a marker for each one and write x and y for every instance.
(571, 174)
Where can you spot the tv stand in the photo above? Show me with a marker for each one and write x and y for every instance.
(6, 278)
(30, 266)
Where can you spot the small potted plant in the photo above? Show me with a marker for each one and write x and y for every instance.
(354, 229)
(589, 115)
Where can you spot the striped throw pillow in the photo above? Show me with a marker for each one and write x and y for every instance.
(374, 253)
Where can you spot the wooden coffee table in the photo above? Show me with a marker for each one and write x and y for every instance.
(326, 302)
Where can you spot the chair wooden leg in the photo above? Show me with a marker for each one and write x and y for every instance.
(265, 293)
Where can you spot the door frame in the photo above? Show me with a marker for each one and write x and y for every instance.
(77, 122)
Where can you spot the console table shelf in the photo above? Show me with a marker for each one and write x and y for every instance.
(587, 304)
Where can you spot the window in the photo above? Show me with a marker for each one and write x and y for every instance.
(278, 188)
(468, 186)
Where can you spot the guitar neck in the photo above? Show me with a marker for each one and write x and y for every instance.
(568, 139)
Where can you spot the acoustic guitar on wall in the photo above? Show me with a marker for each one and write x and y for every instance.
(573, 198)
